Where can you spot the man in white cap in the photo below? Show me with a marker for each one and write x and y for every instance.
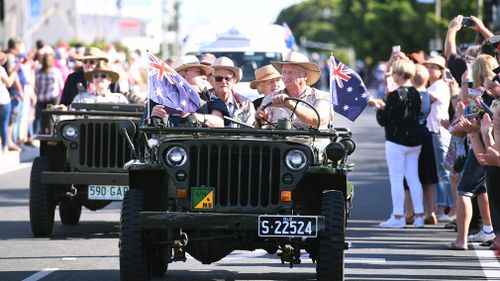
(298, 75)
(212, 109)
(226, 75)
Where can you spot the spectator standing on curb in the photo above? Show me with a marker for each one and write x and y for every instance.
(440, 97)
(400, 118)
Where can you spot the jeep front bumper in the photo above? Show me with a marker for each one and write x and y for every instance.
(213, 221)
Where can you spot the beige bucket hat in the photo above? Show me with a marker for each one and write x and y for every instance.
(267, 72)
(102, 67)
(437, 60)
(296, 58)
(189, 61)
(93, 53)
(228, 64)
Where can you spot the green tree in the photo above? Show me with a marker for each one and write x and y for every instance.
(371, 27)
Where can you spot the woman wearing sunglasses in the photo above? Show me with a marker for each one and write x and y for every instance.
(101, 78)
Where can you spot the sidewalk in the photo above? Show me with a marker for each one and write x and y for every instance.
(13, 158)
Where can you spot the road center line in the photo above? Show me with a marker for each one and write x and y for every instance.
(41, 274)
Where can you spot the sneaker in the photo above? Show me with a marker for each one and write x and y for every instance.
(419, 222)
(481, 236)
(445, 218)
(392, 222)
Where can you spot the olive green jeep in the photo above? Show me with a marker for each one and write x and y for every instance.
(210, 191)
(81, 162)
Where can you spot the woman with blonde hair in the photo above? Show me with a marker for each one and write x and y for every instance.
(400, 119)
(426, 168)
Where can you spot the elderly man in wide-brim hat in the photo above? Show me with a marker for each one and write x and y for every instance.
(76, 83)
(212, 109)
(225, 77)
(298, 75)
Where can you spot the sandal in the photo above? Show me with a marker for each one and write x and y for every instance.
(453, 246)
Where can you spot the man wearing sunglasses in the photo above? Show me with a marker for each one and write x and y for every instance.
(76, 83)
(226, 75)
(212, 109)
(298, 75)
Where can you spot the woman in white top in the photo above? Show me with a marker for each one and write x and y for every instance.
(5, 106)
(101, 78)
(440, 98)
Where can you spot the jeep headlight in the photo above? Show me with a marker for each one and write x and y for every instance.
(295, 159)
(176, 156)
(70, 132)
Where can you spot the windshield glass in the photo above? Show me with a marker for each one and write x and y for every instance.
(250, 61)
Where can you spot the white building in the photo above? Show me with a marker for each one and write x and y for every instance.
(135, 23)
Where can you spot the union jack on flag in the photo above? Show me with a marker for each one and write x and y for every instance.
(349, 93)
(168, 88)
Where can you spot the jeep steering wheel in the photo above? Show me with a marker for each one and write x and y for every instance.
(295, 108)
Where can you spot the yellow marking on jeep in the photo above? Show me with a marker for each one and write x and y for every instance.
(207, 202)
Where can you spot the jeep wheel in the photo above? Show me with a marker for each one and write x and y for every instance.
(70, 211)
(135, 263)
(330, 264)
(41, 202)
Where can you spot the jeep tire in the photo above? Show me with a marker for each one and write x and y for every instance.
(70, 211)
(135, 263)
(330, 265)
(40, 201)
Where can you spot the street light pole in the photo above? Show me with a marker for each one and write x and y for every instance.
(438, 20)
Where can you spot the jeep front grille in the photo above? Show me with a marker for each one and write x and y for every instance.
(242, 175)
(102, 146)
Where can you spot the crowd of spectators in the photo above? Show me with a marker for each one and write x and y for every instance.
(460, 121)
(32, 79)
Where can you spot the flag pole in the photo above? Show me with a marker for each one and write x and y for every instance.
(335, 100)
(148, 105)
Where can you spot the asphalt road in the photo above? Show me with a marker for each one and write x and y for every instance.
(89, 251)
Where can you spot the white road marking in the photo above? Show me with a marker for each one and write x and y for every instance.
(236, 255)
(488, 261)
(15, 168)
(41, 274)
(69, 259)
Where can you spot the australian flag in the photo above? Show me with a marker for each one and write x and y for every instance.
(289, 38)
(168, 88)
(349, 93)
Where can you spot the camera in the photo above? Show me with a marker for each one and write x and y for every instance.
(466, 21)
(396, 48)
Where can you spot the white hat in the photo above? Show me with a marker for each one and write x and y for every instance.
(296, 58)
(189, 61)
(228, 64)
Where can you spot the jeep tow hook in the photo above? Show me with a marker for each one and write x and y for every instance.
(290, 254)
(179, 252)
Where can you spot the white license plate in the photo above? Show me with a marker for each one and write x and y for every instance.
(287, 226)
(107, 192)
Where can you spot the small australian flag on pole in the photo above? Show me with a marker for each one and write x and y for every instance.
(168, 88)
(349, 93)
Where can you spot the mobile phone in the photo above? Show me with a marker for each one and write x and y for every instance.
(486, 108)
(396, 48)
(448, 75)
(466, 21)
